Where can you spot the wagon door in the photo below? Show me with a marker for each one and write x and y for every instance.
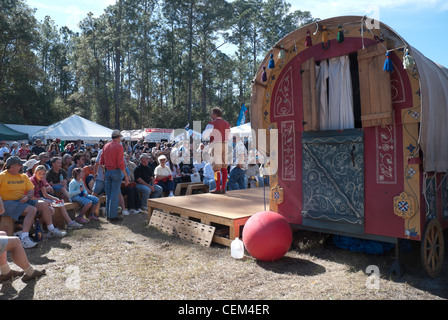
(333, 180)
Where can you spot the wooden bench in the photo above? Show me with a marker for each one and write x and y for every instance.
(195, 187)
(58, 219)
(183, 185)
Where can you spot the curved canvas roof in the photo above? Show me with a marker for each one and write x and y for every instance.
(10, 134)
(74, 128)
(433, 86)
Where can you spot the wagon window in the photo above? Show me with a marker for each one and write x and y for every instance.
(327, 92)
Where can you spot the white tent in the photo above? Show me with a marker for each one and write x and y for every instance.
(133, 135)
(182, 136)
(244, 130)
(148, 134)
(74, 128)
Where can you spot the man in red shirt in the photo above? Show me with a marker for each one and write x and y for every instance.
(219, 130)
(112, 160)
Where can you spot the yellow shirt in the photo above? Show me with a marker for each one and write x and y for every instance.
(14, 187)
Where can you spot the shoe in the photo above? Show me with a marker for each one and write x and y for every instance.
(28, 243)
(36, 274)
(73, 225)
(93, 217)
(12, 274)
(218, 191)
(56, 233)
(171, 195)
(125, 212)
(144, 208)
(137, 211)
(115, 220)
(132, 211)
(81, 219)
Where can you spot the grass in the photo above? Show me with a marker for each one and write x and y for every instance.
(132, 261)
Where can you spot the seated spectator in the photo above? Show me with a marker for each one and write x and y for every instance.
(130, 165)
(253, 176)
(176, 172)
(78, 162)
(40, 192)
(38, 148)
(3, 149)
(89, 173)
(17, 192)
(187, 170)
(237, 178)
(133, 196)
(43, 160)
(77, 193)
(195, 176)
(24, 150)
(18, 256)
(53, 150)
(57, 178)
(144, 177)
(209, 176)
(14, 149)
(70, 148)
(164, 176)
(67, 161)
(30, 166)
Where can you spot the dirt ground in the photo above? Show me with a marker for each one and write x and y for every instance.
(132, 261)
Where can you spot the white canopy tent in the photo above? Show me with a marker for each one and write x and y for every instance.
(148, 134)
(244, 130)
(74, 128)
(191, 133)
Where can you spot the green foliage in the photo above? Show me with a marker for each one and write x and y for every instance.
(142, 63)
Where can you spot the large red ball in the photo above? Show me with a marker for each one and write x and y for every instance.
(267, 236)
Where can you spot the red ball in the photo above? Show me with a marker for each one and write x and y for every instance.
(267, 236)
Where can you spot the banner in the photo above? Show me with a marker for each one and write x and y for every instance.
(242, 116)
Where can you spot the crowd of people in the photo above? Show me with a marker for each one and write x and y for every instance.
(36, 178)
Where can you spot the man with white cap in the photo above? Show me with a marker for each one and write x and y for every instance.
(112, 160)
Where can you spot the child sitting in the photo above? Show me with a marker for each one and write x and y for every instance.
(40, 192)
(77, 193)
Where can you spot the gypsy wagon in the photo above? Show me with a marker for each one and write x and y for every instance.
(361, 119)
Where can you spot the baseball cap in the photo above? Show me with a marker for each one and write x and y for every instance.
(116, 133)
(12, 160)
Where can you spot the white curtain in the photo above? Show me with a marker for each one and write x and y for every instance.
(322, 95)
(336, 111)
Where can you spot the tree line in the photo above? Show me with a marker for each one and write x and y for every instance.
(141, 63)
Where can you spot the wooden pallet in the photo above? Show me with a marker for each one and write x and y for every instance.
(226, 212)
(183, 228)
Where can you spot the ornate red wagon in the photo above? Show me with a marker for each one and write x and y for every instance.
(361, 118)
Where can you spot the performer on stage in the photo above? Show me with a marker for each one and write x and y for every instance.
(218, 129)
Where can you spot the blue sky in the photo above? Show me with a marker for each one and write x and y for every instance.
(423, 24)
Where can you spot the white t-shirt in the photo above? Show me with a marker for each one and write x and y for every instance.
(162, 171)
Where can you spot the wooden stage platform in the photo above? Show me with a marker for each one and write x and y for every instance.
(226, 212)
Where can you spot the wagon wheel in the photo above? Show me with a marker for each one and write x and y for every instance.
(433, 248)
